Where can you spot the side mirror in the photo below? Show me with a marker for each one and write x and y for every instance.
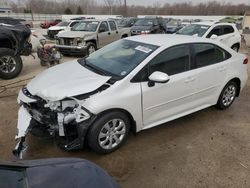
(157, 77)
(214, 36)
(101, 30)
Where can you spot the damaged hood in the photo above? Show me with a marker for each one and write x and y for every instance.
(75, 34)
(65, 80)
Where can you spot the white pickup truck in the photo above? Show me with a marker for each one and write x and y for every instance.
(88, 36)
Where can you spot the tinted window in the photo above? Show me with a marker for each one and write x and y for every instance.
(228, 29)
(112, 25)
(104, 25)
(215, 31)
(73, 23)
(208, 54)
(172, 61)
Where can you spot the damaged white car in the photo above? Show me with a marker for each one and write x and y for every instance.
(132, 84)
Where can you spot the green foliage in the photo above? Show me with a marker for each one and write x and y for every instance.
(79, 10)
(68, 11)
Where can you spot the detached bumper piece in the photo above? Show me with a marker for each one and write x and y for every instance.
(20, 148)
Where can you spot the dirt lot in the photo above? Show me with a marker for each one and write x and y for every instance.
(209, 148)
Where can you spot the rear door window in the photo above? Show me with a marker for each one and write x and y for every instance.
(112, 25)
(228, 30)
(209, 54)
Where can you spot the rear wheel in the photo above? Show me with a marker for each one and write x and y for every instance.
(108, 132)
(227, 95)
(10, 64)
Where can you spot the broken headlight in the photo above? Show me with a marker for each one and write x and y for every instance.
(69, 110)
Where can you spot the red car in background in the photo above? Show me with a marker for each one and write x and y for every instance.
(46, 24)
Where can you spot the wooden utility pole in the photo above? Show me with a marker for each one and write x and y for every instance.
(125, 8)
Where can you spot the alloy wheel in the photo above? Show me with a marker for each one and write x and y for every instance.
(7, 64)
(112, 134)
(229, 95)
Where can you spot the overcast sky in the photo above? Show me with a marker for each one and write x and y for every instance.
(151, 2)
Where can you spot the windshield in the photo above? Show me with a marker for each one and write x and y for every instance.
(194, 29)
(123, 22)
(63, 24)
(119, 58)
(86, 26)
(13, 178)
(172, 23)
(144, 22)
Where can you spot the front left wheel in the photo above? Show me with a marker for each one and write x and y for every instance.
(109, 132)
(10, 64)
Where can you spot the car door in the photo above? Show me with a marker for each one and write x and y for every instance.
(104, 35)
(164, 102)
(211, 64)
(114, 31)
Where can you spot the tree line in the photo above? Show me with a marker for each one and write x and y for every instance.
(117, 7)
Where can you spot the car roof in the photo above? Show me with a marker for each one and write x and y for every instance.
(212, 23)
(168, 39)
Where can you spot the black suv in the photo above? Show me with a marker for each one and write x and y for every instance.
(148, 25)
(13, 43)
(126, 22)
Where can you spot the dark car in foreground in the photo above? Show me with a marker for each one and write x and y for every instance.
(54, 173)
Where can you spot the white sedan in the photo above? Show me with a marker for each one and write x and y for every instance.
(132, 84)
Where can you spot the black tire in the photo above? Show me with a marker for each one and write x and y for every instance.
(90, 45)
(235, 47)
(221, 101)
(98, 126)
(16, 62)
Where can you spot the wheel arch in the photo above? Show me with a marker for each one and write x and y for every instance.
(238, 82)
(93, 41)
(6, 43)
(133, 126)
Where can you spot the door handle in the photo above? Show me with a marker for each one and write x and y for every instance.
(190, 79)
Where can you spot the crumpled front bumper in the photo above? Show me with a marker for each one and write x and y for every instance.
(24, 119)
(30, 119)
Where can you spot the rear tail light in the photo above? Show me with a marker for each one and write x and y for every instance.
(245, 61)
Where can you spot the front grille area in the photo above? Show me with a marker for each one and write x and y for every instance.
(135, 33)
(68, 41)
(52, 33)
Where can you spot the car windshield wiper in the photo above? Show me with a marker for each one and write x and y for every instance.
(93, 68)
